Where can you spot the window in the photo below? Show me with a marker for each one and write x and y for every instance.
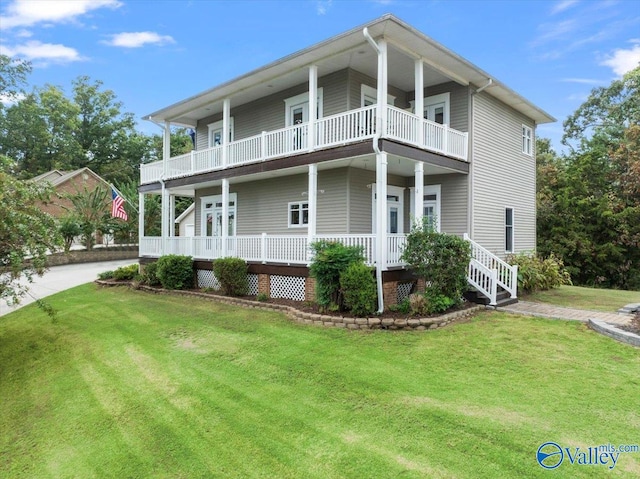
(436, 108)
(297, 108)
(527, 140)
(298, 214)
(215, 132)
(369, 96)
(508, 230)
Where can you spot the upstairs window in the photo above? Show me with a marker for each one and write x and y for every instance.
(527, 140)
(298, 214)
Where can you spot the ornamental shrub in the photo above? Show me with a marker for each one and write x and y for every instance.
(441, 259)
(105, 275)
(232, 274)
(175, 271)
(150, 275)
(358, 288)
(536, 273)
(329, 260)
(126, 273)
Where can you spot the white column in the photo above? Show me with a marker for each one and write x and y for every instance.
(226, 122)
(166, 147)
(313, 106)
(381, 210)
(172, 215)
(225, 215)
(418, 196)
(164, 208)
(313, 202)
(382, 86)
(140, 218)
(419, 98)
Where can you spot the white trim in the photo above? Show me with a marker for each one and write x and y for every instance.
(434, 100)
(527, 140)
(372, 93)
(233, 198)
(301, 205)
(513, 229)
(428, 190)
(185, 212)
(391, 191)
(218, 125)
(300, 99)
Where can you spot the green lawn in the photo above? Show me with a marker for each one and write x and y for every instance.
(609, 300)
(131, 384)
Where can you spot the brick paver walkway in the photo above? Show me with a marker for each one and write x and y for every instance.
(558, 312)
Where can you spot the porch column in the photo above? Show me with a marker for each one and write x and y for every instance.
(172, 215)
(313, 106)
(382, 87)
(225, 215)
(419, 99)
(418, 197)
(164, 208)
(166, 147)
(312, 196)
(140, 218)
(381, 210)
(226, 130)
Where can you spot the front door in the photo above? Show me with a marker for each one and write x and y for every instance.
(299, 114)
(395, 201)
(211, 226)
(435, 112)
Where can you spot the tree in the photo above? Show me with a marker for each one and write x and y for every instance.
(26, 234)
(13, 76)
(91, 208)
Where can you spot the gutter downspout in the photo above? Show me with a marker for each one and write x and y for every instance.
(489, 83)
(376, 149)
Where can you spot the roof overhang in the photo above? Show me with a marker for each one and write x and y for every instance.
(350, 50)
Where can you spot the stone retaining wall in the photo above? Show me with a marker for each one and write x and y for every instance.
(415, 324)
(102, 254)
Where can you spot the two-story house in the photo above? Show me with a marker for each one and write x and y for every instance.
(351, 140)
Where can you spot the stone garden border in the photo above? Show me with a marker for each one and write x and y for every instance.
(614, 332)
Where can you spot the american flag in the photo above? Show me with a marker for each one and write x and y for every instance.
(117, 207)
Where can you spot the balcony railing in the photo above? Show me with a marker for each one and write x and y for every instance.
(340, 129)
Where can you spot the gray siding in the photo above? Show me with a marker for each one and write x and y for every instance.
(459, 102)
(454, 202)
(503, 176)
(356, 79)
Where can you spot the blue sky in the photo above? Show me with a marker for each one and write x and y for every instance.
(154, 53)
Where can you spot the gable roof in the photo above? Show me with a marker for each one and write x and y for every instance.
(349, 49)
(57, 177)
(185, 213)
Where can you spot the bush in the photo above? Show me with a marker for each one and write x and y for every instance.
(262, 297)
(358, 288)
(150, 275)
(536, 273)
(329, 260)
(403, 306)
(126, 273)
(105, 275)
(441, 259)
(175, 271)
(438, 303)
(69, 228)
(232, 274)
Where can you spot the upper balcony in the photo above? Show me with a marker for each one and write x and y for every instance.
(336, 130)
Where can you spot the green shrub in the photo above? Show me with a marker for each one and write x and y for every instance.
(232, 274)
(358, 288)
(438, 303)
(175, 271)
(126, 273)
(441, 259)
(150, 275)
(418, 304)
(536, 273)
(69, 228)
(403, 306)
(262, 297)
(329, 260)
(105, 275)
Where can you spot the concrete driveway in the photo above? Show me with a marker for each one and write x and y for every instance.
(63, 277)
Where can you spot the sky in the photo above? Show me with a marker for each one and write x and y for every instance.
(155, 53)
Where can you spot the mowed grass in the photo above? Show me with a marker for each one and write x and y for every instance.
(131, 384)
(608, 300)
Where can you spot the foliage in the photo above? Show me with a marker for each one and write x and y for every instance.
(438, 303)
(150, 274)
(106, 275)
(262, 297)
(403, 306)
(126, 273)
(232, 274)
(26, 236)
(91, 208)
(536, 273)
(441, 259)
(358, 288)
(13, 76)
(175, 271)
(418, 304)
(329, 260)
(69, 228)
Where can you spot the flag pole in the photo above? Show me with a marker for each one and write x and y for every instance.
(123, 197)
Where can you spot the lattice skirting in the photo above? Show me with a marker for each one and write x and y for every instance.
(206, 279)
(404, 290)
(288, 287)
(253, 284)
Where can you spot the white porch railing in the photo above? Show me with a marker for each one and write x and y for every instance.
(487, 272)
(340, 129)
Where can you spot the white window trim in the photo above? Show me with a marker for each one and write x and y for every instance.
(368, 91)
(434, 100)
(300, 203)
(302, 98)
(513, 229)
(218, 125)
(233, 197)
(527, 149)
(427, 190)
(391, 191)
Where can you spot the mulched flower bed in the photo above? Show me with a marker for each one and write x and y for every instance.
(634, 326)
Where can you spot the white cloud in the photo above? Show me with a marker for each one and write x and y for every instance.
(621, 61)
(44, 53)
(7, 99)
(584, 81)
(322, 6)
(25, 13)
(138, 39)
(562, 6)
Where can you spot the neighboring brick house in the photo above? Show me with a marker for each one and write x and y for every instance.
(67, 183)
